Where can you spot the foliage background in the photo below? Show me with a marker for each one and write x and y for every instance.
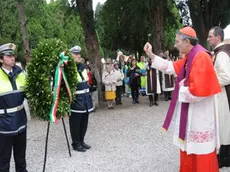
(119, 24)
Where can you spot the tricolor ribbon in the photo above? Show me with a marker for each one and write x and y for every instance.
(59, 74)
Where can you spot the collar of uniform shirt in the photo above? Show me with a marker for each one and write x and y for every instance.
(7, 71)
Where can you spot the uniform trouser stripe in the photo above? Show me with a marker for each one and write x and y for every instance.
(82, 111)
(13, 132)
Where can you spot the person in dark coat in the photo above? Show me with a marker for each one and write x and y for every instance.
(13, 120)
(82, 105)
(134, 74)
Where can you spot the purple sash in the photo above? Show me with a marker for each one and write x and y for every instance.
(184, 73)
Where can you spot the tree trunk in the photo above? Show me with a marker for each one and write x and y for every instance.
(198, 21)
(158, 27)
(24, 30)
(205, 14)
(86, 15)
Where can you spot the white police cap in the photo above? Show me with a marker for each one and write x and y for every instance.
(7, 49)
(75, 49)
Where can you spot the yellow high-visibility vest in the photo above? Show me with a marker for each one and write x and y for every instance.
(5, 85)
(84, 74)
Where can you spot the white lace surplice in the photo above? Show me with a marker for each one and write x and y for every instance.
(201, 124)
(201, 136)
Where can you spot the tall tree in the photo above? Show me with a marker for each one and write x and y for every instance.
(85, 8)
(126, 24)
(171, 25)
(24, 29)
(97, 11)
(8, 24)
(206, 14)
(157, 17)
(185, 18)
(42, 20)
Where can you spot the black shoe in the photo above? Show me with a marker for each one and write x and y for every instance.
(170, 98)
(78, 147)
(120, 103)
(85, 145)
(134, 102)
(137, 101)
(166, 99)
(156, 104)
(225, 162)
(224, 156)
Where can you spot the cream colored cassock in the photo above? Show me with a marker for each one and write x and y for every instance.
(201, 131)
(222, 68)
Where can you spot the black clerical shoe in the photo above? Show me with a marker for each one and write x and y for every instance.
(156, 104)
(85, 145)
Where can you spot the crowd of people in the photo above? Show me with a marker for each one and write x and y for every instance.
(197, 85)
(132, 78)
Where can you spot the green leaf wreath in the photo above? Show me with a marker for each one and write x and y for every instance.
(38, 86)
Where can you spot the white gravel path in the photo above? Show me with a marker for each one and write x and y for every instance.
(126, 139)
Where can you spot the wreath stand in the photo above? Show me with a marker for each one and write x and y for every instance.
(47, 51)
(47, 137)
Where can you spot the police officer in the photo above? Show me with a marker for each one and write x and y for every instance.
(12, 114)
(82, 106)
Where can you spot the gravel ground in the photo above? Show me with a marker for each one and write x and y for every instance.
(126, 139)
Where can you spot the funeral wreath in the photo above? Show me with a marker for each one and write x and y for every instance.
(51, 80)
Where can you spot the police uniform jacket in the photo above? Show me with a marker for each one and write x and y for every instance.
(83, 102)
(13, 118)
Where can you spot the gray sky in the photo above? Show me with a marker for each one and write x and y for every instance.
(94, 3)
